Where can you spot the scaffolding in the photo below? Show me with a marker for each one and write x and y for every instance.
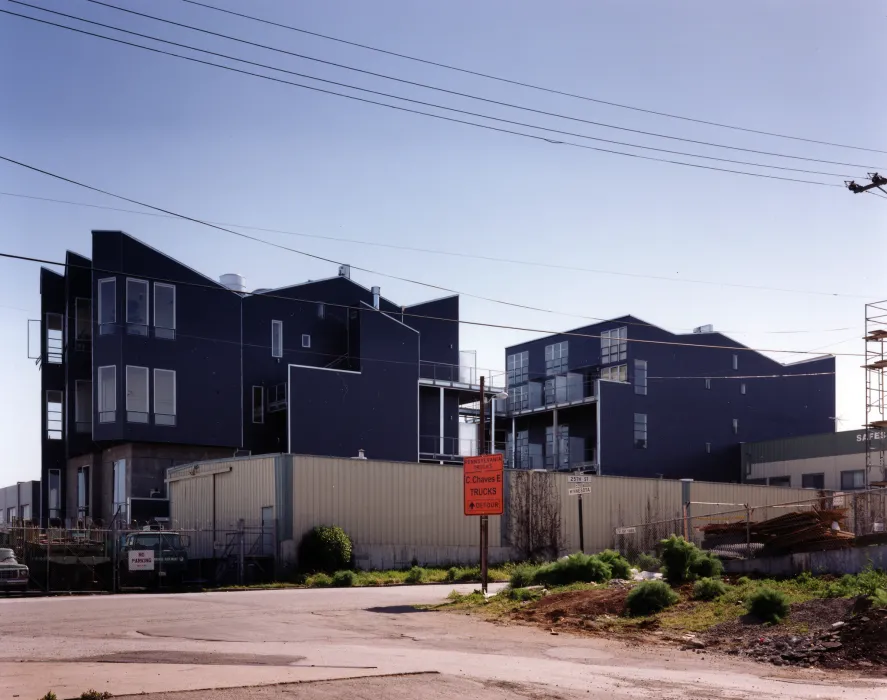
(875, 409)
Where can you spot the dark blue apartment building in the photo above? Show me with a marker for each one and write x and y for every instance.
(146, 364)
(626, 398)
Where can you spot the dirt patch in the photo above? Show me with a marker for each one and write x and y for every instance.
(575, 606)
(863, 640)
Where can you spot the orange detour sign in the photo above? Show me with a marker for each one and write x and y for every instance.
(484, 485)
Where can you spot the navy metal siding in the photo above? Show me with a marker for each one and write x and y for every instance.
(205, 353)
(439, 342)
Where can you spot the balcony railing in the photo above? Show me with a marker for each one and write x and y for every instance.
(453, 449)
(563, 390)
(534, 458)
(462, 376)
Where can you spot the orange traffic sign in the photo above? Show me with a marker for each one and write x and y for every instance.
(484, 484)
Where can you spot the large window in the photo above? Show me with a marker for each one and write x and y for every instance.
(614, 345)
(55, 339)
(258, 404)
(517, 368)
(276, 338)
(136, 394)
(853, 480)
(120, 490)
(556, 358)
(83, 406)
(107, 394)
(164, 397)
(107, 306)
(813, 481)
(82, 492)
(55, 494)
(83, 323)
(640, 377)
(640, 430)
(617, 373)
(164, 311)
(519, 398)
(136, 307)
(55, 424)
(522, 450)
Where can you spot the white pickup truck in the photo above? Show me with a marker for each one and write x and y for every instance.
(13, 575)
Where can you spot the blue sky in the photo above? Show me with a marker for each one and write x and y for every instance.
(230, 148)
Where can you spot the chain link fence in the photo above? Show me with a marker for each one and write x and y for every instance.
(64, 560)
(735, 530)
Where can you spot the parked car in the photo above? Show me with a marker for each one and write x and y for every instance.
(13, 575)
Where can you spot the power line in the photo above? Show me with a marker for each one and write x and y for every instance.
(421, 102)
(405, 314)
(437, 116)
(476, 256)
(530, 85)
(418, 84)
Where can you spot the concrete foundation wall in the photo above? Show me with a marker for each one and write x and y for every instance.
(837, 562)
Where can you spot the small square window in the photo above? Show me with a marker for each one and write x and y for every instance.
(813, 481)
(306, 340)
(853, 480)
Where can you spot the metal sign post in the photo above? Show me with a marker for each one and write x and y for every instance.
(578, 491)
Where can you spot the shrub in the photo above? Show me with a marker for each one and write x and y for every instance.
(677, 555)
(49, 696)
(619, 566)
(647, 563)
(576, 568)
(522, 576)
(704, 565)
(767, 604)
(708, 589)
(743, 581)
(325, 548)
(867, 582)
(416, 575)
(94, 695)
(344, 579)
(524, 594)
(650, 597)
(452, 573)
(879, 599)
(319, 581)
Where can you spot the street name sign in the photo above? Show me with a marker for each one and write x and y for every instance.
(484, 481)
(581, 479)
(626, 530)
(579, 490)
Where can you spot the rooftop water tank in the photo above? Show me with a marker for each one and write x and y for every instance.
(233, 281)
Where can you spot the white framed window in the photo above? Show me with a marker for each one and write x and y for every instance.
(164, 397)
(120, 490)
(640, 377)
(55, 423)
(640, 430)
(107, 305)
(276, 338)
(557, 358)
(82, 492)
(83, 322)
(518, 368)
(742, 388)
(258, 404)
(306, 340)
(735, 361)
(616, 373)
(83, 406)
(136, 306)
(136, 394)
(107, 394)
(736, 426)
(614, 345)
(55, 494)
(55, 339)
(164, 310)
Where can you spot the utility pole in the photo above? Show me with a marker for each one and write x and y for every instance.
(877, 182)
(484, 520)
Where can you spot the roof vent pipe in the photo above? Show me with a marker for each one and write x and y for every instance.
(345, 271)
(377, 293)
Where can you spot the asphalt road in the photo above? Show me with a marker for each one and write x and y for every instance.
(165, 644)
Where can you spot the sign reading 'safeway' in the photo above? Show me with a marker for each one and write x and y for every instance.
(484, 484)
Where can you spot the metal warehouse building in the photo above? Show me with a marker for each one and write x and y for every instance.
(832, 461)
(400, 512)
